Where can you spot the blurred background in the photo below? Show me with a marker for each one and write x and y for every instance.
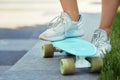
(21, 22)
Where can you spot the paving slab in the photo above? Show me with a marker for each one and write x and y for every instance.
(11, 50)
(32, 66)
(16, 44)
(4, 68)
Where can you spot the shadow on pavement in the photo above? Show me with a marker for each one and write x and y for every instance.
(10, 57)
(25, 32)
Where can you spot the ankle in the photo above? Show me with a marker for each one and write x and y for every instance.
(74, 16)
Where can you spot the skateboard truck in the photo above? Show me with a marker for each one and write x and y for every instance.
(81, 62)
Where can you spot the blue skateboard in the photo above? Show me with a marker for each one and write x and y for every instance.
(80, 48)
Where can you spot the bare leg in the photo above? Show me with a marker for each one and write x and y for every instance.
(71, 8)
(109, 9)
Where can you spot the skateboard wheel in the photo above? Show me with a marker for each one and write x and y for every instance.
(67, 66)
(96, 64)
(47, 50)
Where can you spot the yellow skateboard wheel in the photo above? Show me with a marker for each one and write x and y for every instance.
(67, 66)
(47, 50)
(96, 64)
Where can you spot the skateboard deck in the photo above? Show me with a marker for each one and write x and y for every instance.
(76, 46)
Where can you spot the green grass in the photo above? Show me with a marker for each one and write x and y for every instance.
(111, 68)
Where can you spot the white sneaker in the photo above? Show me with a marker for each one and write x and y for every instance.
(101, 41)
(63, 27)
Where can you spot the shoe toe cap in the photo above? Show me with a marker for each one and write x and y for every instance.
(41, 36)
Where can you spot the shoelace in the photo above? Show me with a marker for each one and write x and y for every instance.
(98, 41)
(55, 21)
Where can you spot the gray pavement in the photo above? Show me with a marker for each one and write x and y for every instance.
(12, 50)
(4, 68)
(17, 45)
(25, 32)
(14, 43)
